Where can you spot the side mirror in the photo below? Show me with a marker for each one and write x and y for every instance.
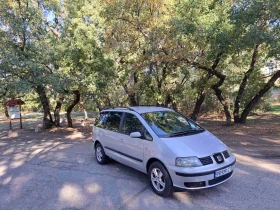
(135, 135)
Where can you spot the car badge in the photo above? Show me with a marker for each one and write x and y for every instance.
(219, 157)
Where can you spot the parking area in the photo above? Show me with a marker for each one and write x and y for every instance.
(57, 170)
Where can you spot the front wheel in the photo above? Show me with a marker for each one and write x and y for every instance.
(160, 180)
(100, 155)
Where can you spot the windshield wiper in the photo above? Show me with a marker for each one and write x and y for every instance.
(182, 133)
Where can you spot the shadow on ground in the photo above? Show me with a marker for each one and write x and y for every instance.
(57, 170)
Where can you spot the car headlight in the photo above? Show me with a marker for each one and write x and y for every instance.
(188, 162)
(229, 152)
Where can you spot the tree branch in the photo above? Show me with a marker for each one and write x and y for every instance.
(135, 26)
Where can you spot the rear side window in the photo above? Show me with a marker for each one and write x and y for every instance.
(100, 119)
(131, 124)
(113, 121)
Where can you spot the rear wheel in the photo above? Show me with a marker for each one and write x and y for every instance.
(100, 155)
(160, 180)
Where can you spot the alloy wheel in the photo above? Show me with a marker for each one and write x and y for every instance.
(157, 179)
(99, 153)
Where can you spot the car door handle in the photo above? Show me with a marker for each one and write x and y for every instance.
(121, 140)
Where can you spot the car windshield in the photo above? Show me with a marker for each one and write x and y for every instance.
(171, 124)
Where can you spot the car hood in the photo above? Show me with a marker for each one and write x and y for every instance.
(199, 145)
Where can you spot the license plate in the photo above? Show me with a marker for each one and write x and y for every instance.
(223, 171)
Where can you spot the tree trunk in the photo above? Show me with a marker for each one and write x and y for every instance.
(201, 97)
(71, 106)
(57, 111)
(168, 100)
(222, 100)
(98, 105)
(47, 120)
(84, 110)
(199, 102)
(86, 114)
(216, 87)
(130, 93)
(7, 112)
(243, 85)
(131, 96)
(107, 101)
(258, 96)
(132, 100)
(174, 106)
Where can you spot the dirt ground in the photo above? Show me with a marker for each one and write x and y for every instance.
(260, 136)
(56, 169)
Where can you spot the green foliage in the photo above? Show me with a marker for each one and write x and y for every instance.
(120, 52)
(275, 109)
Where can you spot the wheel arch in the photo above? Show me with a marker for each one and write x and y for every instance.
(96, 142)
(152, 160)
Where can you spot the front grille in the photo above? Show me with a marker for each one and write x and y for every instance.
(195, 184)
(206, 160)
(219, 179)
(226, 154)
(218, 158)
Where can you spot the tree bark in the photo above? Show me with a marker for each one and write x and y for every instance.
(7, 112)
(243, 85)
(222, 100)
(132, 100)
(5, 107)
(47, 120)
(218, 91)
(57, 112)
(216, 87)
(200, 98)
(174, 106)
(98, 105)
(168, 100)
(258, 96)
(131, 96)
(199, 102)
(71, 106)
(107, 101)
(84, 110)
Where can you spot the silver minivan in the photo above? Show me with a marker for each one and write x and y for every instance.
(174, 151)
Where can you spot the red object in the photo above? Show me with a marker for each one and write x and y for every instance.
(14, 102)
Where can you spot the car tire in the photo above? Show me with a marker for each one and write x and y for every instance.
(100, 155)
(160, 179)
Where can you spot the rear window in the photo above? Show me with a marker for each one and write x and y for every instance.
(113, 121)
(100, 119)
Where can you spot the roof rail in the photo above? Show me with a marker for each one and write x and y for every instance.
(132, 107)
(157, 105)
(122, 107)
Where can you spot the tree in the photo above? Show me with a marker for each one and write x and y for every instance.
(214, 35)
(83, 64)
(27, 46)
(138, 36)
(257, 28)
(205, 37)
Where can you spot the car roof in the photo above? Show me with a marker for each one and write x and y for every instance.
(139, 109)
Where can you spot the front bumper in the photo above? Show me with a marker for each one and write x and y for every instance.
(199, 177)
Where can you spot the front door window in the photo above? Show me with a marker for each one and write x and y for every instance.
(131, 124)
